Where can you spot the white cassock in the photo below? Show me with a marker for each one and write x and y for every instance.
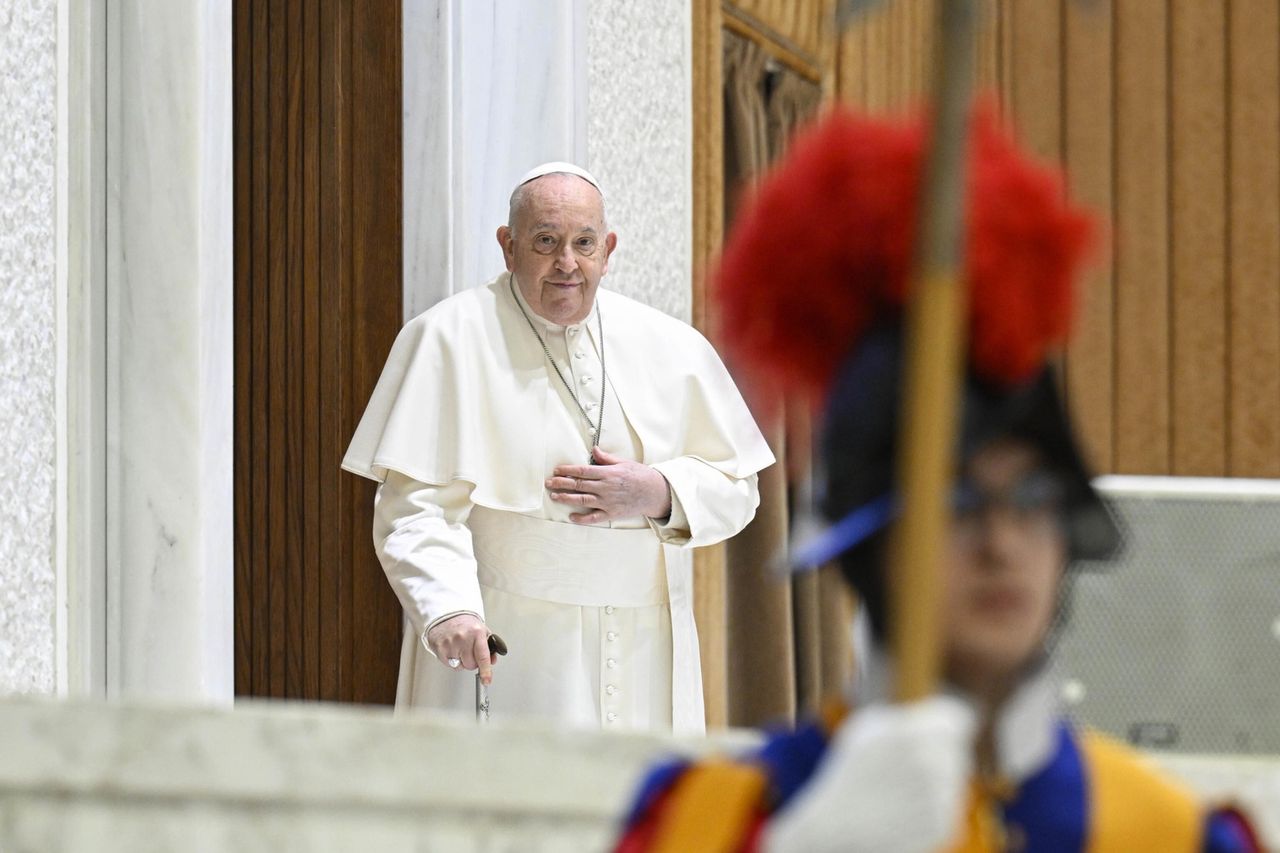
(466, 424)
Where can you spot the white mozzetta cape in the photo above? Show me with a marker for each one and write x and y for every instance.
(466, 385)
(464, 397)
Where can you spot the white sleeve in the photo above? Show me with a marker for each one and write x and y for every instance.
(707, 505)
(424, 545)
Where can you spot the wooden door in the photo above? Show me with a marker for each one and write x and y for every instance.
(317, 306)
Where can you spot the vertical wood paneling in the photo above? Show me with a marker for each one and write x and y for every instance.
(911, 84)
(1004, 48)
(1167, 117)
(255, 300)
(1198, 238)
(276, 286)
(1142, 233)
(314, 458)
(928, 48)
(799, 22)
(708, 222)
(879, 86)
(986, 58)
(1088, 156)
(294, 434)
(1035, 76)
(851, 66)
(894, 62)
(376, 206)
(318, 301)
(1254, 436)
(334, 269)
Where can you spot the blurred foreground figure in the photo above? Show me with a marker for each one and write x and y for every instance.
(988, 763)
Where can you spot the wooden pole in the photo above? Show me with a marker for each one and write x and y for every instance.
(935, 342)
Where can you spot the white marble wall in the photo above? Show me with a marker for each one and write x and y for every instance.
(494, 88)
(169, 349)
(28, 124)
(278, 778)
(640, 143)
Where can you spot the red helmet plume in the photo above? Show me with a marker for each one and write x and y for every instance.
(822, 251)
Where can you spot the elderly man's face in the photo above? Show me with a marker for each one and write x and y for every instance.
(557, 248)
(1005, 559)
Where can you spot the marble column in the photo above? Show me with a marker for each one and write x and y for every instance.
(169, 350)
(490, 90)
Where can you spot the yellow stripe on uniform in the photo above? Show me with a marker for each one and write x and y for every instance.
(1131, 806)
(711, 808)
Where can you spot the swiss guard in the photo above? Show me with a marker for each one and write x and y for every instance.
(985, 760)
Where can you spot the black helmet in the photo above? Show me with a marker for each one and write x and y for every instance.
(856, 494)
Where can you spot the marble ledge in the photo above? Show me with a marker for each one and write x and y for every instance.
(320, 756)
(277, 777)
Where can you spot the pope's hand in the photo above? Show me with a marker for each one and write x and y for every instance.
(612, 489)
(463, 638)
(894, 778)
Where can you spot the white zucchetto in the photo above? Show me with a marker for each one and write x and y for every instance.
(559, 166)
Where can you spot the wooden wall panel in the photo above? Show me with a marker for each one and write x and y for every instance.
(1088, 155)
(804, 24)
(851, 66)
(1035, 75)
(875, 71)
(1167, 116)
(986, 62)
(708, 224)
(376, 283)
(1254, 449)
(879, 90)
(1142, 238)
(1198, 238)
(318, 301)
(271, 373)
(338, 539)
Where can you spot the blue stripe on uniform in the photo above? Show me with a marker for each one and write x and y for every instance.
(1051, 811)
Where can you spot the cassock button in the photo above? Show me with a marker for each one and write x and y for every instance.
(573, 330)
(586, 380)
(611, 690)
(611, 663)
(579, 355)
(612, 635)
(609, 609)
(611, 717)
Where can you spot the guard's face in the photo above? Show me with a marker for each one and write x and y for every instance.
(1006, 555)
(558, 248)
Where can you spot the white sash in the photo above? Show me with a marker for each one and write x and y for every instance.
(568, 563)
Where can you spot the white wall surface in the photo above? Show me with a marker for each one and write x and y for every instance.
(28, 334)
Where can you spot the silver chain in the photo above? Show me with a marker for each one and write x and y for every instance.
(604, 385)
